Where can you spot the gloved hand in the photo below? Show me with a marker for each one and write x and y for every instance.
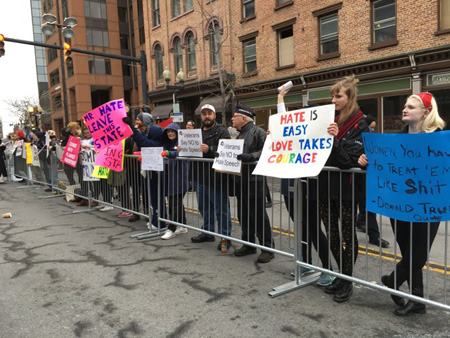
(216, 154)
(165, 153)
(244, 157)
(128, 121)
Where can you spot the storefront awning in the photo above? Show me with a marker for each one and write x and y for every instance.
(215, 101)
(162, 111)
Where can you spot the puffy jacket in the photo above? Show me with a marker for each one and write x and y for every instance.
(176, 172)
(203, 171)
(153, 137)
(344, 155)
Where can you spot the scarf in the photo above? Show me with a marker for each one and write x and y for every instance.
(349, 124)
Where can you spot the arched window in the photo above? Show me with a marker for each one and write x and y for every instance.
(214, 43)
(178, 54)
(159, 62)
(191, 56)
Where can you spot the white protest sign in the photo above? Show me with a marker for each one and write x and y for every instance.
(35, 152)
(19, 148)
(47, 142)
(88, 163)
(152, 159)
(298, 144)
(24, 151)
(228, 151)
(190, 141)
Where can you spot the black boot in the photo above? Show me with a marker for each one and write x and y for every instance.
(417, 290)
(334, 286)
(344, 292)
(389, 282)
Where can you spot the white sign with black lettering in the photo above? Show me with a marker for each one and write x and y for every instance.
(228, 151)
(152, 159)
(190, 141)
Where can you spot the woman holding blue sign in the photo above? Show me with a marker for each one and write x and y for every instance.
(414, 238)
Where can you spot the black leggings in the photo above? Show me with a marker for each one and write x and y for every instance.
(330, 214)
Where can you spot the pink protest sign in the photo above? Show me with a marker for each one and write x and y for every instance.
(111, 157)
(106, 125)
(71, 152)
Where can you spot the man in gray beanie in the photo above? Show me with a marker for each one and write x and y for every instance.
(145, 119)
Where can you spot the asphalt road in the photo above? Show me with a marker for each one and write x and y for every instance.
(81, 275)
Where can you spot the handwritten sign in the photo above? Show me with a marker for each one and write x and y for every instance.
(298, 144)
(228, 151)
(35, 156)
(106, 125)
(408, 177)
(111, 157)
(100, 172)
(88, 163)
(190, 141)
(19, 148)
(152, 159)
(70, 156)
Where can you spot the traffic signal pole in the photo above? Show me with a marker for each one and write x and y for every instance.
(141, 60)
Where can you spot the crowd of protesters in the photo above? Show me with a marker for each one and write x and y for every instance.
(328, 200)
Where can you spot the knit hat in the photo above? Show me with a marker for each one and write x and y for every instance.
(244, 110)
(146, 118)
(21, 134)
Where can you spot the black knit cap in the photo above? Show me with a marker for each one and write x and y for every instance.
(244, 110)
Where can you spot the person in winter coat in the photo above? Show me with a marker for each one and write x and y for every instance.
(250, 188)
(176, 181)
(414, 239)
(335, 189)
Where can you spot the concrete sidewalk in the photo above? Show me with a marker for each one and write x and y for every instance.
(81, 275)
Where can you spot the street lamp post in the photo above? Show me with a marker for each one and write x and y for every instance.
(48, 28)
(36, 112)
(180, 78)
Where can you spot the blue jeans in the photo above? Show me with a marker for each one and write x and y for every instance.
(213, 199)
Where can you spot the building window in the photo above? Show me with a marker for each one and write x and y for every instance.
(155, 13)
(249, 55)
(176, 8)
(191, 55)
(178, 54)
(286, 47)
(96, 37)
(140, 8)
(281, 2)
(54, 77)
(188, 5)
(329, 42)
(123, 14)
(94, 9)
(126, 68)
(159, 62)
(124, 42)
(248, 8)
(444, 15)
(141, 35)
(52, 54)
(384, 22)
(214, 43)
(99, 66)
(57, 102)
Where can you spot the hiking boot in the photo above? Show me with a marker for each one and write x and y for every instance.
(244, 250)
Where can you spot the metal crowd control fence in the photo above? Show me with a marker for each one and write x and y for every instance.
(190, 194)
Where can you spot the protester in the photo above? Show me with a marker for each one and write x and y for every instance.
(74, 129)
(415, 239)
(336, 189)
(190, 124)
(311, 230)
(3, 173)
(87, 145)
(176, 181)
(152, 138)
(51, 160)
(211, 187)
(250, 188)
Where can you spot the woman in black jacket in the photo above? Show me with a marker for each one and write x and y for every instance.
(421, 116)
(336, 191)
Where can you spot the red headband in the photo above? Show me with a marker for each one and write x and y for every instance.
(426, 99)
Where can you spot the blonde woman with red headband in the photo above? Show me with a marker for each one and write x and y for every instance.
(420, 115)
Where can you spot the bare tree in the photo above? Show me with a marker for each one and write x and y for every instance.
(19, 107)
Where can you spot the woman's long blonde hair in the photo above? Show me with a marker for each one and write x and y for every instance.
(433, 121)
(348, 83)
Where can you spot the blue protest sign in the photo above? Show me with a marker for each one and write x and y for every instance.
(408, 177)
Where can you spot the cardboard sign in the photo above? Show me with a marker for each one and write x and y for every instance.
(152, 159)
(106, 125)
(100, 172)
(28, 153)
(408, 177)
(190, 141)
(70, 156)
(298, 144)
(88, 163)
(19, 148)
(228, 151)
(35, 156)
(111, 157)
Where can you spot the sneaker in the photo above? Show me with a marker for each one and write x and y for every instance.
(151, 227)
(303, 271)
(100, 207)
(245, 250)
(181, 230)
(203, 238)
(168, 234)
(106, 208)
(123, 214)
(265, 257)
(48, 189)
(325, 279)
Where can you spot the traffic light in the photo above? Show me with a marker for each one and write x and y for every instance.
(67, 53)
(2, 45)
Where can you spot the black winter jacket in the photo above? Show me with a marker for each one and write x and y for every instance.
(344, 155)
